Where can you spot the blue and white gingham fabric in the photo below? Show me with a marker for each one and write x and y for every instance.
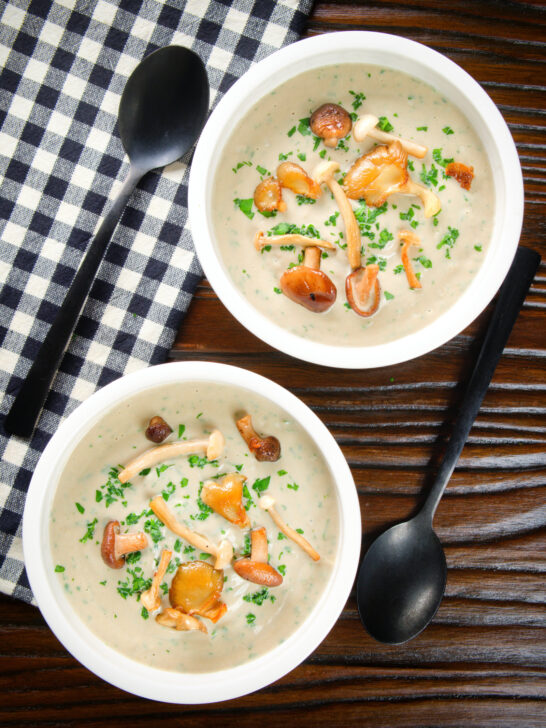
(63, 66)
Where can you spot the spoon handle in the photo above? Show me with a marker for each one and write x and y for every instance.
(511, 297)
(23, 415)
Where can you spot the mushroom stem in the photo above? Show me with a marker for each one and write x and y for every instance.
(264, 449)
(311, 258)
(212, 445)
(258, 545)
(150, 598)
(166, 516)
(431, 202)
(409, 238)
(268, 504)
(116, 545)
(260, 241)
(366, 127)
(175, 619)
(324, 173)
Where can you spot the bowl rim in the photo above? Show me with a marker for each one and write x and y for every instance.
(507, 178)
(113, 666)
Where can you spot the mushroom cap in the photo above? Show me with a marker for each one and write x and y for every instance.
(376, 175)
(308, 287)
(226, 498)
(216, 445)
(268, 196)
(108, 546)
(196, 589)
(257, 572)
(363, 290)
(265, 449)
(364, 125)
(325, 170)
(158, 430)
(330, 122)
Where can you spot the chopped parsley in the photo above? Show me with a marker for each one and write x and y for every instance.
(281, 472)
(449, 240)
(478, 248)
(144, 613)
(277, 290)
(133, 557)
(239, 165)
(59, 569)
(429, 177)
(181, 430)
(281, 536)
(439, 159)
(388, 296)
(284, 157)
(153, 527)
(287, 228)
(304, 127)
(196, 462)
(282, 569)
(381, 262)
(113, 489)
(448, 130)
(183, 482)
(293, 486)
(80, 508)
(332, 220)
(384, 237)
(161, 469)
(422, 128)
(261, 484)
(145, 472)
(302, 200)
(204, 509)
(246, 494)
(262, 170)
(358, 98)
(398, 269)
(177, 545)
(90, 531)
(135, 583)
(384, 124)
(259, 597)
(246, 546)
(168, 491)
(250, 618)
(425, 262)
(291, 132)
(245, 206)
(302, 156)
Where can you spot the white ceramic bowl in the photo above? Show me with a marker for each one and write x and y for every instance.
(112, 666)
(397, 53)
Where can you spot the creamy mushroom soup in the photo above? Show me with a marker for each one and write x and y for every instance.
(451, 243)
(90, 494)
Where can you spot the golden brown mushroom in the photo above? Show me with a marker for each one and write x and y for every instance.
(331, 123)
(295, 178)
(115, 545)
(324, 174)
(212, 445)
(225, 497)
(377, 174)
(363, 290)
(409, 238)
(256, 569)
(268, 196)
(261, 240)
(223, 552)
(307, 285)
(463, 173)
(196, 589)
(366, 126)
(264, 449)
(158, 430)
(175, 619)
(268, 504)
(150, 598)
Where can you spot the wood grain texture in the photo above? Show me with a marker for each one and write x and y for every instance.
(482, 662)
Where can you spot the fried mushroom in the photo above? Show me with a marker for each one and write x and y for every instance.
(196, 588)
(225, 497)
(115, 545)
(268, 504)
(256, 568)
(264, 449)
(331, 123)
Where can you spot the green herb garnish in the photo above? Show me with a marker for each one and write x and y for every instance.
(245, 206)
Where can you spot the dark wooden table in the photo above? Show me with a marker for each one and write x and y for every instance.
(483, 660)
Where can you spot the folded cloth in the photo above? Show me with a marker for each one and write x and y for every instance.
(64, 67)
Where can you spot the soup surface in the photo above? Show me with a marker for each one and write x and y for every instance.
(89, 494)
(452, 243)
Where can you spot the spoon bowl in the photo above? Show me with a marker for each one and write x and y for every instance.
(163, 107)
(402, 581)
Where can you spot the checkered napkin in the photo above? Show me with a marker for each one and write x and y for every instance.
(64, 66)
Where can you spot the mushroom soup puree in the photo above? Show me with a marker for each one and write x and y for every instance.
(108, 600)
(452, 243)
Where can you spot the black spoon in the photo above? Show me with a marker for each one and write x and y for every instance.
(402, 578)
(162, 111)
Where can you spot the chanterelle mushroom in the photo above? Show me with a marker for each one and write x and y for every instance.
(295, 178)
(225, 496)
(324, 174)
(363, 290)
(196, 589)
(268, 504)
(331, 123)
(212, 445)
(268, 196)
(266, 449)
(175, 619)
(150, 598)
(261, 240)
(463, 173)
(307, 285)
(366, 126)
(223, 552)
(157, 430)
(115, 545)
(256, 569)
